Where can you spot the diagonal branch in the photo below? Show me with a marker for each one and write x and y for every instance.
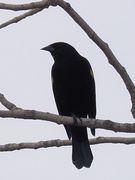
(104, 47)
(60, 143)
(6, 103)
(19, 18)
(34, 6)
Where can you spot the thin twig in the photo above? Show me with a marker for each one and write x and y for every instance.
(19, 18)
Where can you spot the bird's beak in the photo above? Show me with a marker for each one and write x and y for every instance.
(48, 48)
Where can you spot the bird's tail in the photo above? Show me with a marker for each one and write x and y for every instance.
(81, 152)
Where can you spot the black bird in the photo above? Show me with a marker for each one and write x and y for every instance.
(74, 91)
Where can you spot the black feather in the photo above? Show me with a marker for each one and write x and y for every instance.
(74, 92)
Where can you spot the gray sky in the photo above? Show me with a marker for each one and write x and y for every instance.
(25, 80)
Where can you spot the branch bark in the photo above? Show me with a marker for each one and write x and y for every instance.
(59, 143)
(19, 18)
(7, 103)
(27, 6)
(91, 123)
(15, 112)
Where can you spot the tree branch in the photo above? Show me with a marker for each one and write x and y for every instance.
(104, 47)
(15, 112)
(6, 103)
(19, 18)
(91, 123)
(33, 5)
(60, 143)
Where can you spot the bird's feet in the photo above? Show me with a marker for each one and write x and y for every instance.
(75, 119)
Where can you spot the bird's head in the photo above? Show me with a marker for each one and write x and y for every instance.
(61, 51)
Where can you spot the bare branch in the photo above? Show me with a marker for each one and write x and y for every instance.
(59, 143)
(19, 18)
(6, 103)
(36, 145)
(33, 5)
(104, 47)
(16, 112)
(91, 123)
(114, 140)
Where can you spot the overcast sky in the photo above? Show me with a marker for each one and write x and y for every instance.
(25, 80)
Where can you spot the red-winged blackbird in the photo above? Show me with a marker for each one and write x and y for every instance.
(74, 92)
